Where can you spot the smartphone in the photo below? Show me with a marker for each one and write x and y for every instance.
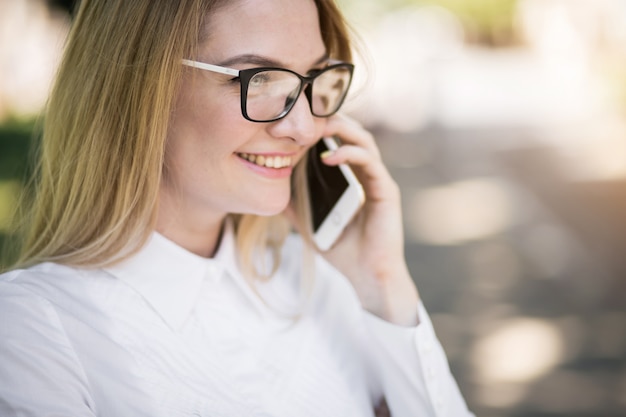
(335, 195)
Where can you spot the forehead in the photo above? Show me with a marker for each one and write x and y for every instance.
(284, 30)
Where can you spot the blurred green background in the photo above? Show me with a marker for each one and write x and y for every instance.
(503, 121)
(16, 137)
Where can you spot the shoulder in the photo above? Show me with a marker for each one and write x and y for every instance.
(42, 291)
(40, 272)
(36, 351)
(27, 316)
(42, 304)
(22, 284)
(25, 296)
(36, 278)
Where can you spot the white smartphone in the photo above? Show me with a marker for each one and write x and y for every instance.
(335, 195)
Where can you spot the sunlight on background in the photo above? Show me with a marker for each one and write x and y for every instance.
(463, 84)
(519, 350)
(516, 353)
(400, 93)
(565, 77)
(31, 38)
(458, 212)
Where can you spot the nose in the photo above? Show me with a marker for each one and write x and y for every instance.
(299, 124)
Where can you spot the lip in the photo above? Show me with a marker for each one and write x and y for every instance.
(273, 173)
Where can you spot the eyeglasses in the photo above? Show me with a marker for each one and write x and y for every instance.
(268, 94)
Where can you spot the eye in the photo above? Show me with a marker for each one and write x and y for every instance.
(260, 79)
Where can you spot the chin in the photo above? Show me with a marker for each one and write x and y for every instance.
(270, 211)
(267, 208)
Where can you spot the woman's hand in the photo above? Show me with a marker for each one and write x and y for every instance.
(370, 252)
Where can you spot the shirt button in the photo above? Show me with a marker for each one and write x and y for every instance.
(430, 373)
(439, 403)
(213, 271)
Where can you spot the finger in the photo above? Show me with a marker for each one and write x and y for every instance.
(368, 168)
(351, 132)
(349, 154)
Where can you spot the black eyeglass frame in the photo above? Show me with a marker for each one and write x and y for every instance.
(306, 84)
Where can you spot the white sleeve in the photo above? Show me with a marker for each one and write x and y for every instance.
(40, 375)
(412, 369)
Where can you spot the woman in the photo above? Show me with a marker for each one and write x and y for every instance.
(157, 275)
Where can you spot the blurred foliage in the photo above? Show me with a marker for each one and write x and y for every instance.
(486, 22)
(16, 137)
(614, 71)
(15, 141)
(66, 5)
(490, 22)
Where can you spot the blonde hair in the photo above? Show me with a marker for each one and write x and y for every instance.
(101, 155)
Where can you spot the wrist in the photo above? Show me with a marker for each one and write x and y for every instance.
(398, 297)
(402, 306)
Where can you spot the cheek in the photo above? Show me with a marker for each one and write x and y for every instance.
(205, 130)
(198, 120)
(187, 148)
(193, 113)
(202, 102)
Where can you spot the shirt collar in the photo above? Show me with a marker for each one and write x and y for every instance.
(169, 277)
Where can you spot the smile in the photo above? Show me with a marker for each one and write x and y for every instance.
(267, 161)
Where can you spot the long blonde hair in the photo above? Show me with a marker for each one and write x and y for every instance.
(101, 155)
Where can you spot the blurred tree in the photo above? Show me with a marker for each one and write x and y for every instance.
(15, 140)
(486, 22)
(67, 5)
(16, 136)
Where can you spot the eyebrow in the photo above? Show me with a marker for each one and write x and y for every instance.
(262, 61)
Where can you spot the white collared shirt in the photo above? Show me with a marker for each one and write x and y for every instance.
(168, 333)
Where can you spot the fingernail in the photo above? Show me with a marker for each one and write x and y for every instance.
(326, 154)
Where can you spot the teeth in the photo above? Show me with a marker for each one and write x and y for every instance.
(268, 161)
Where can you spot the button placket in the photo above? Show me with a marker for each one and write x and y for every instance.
(425, 348)
(430, 372)
(439, 403)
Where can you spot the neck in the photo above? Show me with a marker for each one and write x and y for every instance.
(197, 231)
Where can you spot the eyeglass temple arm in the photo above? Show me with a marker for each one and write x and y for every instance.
(209, 67)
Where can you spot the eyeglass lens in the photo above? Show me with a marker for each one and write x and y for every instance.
(272, 93)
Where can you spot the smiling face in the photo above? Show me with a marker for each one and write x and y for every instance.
(216, 161)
